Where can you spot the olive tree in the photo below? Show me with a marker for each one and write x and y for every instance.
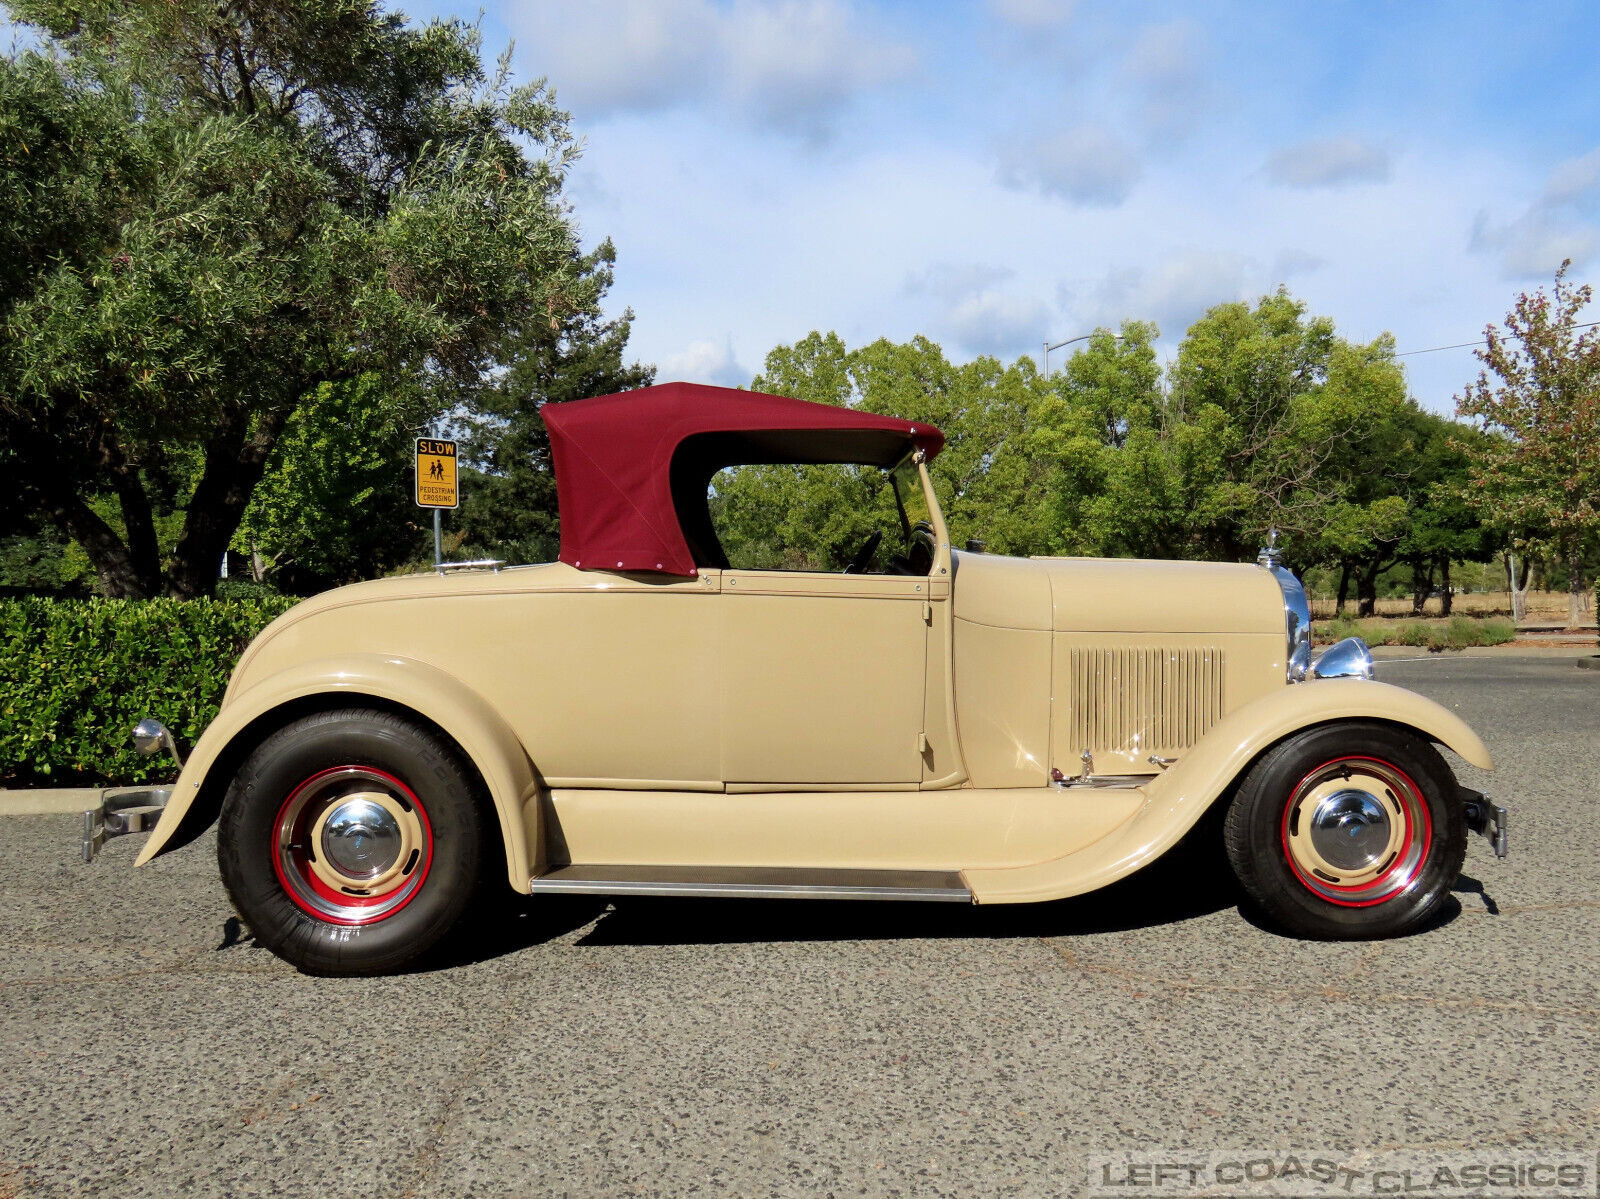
(210, 211)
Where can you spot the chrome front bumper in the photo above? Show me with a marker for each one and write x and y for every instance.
(119, 814)
(1486, 818)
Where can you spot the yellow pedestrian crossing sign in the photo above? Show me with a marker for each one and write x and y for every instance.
(436, 474)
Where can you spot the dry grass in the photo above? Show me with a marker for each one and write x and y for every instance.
(1458, 632)
(1543, 606)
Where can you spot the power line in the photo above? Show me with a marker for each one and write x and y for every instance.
(1462, 345)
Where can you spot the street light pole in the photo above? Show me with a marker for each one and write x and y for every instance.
(1081, 337)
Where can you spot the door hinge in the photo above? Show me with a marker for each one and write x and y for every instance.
(922, 743)
(927, 612)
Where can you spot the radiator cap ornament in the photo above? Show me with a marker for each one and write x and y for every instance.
(1270, 553)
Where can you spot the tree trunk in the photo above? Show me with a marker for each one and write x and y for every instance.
(120, 574)
(1421, 584)
(1575, 581)
(137, 519)
(1519, 595)
(1344, 586)
(236, 458)
(1367, 589)
(49, 471)
(1446, 603)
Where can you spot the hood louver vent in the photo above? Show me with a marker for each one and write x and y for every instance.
(1126, 704)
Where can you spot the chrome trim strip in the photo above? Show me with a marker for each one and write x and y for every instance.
(745, 882)
(1296, 619)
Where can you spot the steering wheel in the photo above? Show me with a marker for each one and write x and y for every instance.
(864, 554)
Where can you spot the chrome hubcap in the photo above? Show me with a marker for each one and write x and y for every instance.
(1350, 829)
(360, 838)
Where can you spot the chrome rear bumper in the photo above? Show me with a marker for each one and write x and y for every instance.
(119, 814)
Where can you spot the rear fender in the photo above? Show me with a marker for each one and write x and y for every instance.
(1176, 799)
(431, 693)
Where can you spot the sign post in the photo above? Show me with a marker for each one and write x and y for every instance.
(436, 483)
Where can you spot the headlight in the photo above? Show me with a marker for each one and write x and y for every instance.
(1296, 618)
(1350, 659)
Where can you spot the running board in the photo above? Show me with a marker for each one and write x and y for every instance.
(754, 882)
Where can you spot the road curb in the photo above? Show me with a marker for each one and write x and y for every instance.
(55, 801)
(48, 801)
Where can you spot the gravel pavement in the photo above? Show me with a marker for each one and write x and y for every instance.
(657, 1047)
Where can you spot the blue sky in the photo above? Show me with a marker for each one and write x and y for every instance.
(1002, 171)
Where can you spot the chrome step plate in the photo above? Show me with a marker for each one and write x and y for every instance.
(755, 882)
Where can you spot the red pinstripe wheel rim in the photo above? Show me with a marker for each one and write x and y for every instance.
(1356, 831)
(351, 845)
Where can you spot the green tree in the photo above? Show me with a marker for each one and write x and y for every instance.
(207, 211)
(989, 478)
(1536, 475)
(1442, 527)
(1122, 472)
(334, 504)
(508, 502)
(1266, 418)
(1264, 384)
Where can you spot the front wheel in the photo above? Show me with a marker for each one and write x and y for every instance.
(350, 842)
(1348, 831)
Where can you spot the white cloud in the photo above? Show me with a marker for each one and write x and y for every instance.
(951, 282)
(705, 362)
(800, 62)
(1329, 162)
(1560, 224)
(1173, 293)
(786, 64)
(1290, 263)
(1575, 180)
(1536, 243)
(992, 321)
(977, 312)
(1086, 165)
(1033, 14)
(1167, 69)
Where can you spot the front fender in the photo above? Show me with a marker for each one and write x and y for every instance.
(432, 693)
(1176, 799)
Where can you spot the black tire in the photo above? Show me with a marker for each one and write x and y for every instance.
(303, 773)
(1392, 856)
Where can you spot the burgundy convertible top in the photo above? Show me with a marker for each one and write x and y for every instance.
(632, 469)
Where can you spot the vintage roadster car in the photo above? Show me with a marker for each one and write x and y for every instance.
(640, 717)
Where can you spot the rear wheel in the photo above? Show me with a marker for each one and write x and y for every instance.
(350, 842)
(1348, 831)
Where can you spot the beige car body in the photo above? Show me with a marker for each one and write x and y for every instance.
(805, 720)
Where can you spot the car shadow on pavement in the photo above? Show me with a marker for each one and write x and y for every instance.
(507, 922)
(1143, 901)
(1171, 890)
(1446, 913)
(1186, 884)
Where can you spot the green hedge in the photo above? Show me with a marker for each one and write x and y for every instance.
(75, 675)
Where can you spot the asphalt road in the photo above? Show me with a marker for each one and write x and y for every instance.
(704, 1048)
